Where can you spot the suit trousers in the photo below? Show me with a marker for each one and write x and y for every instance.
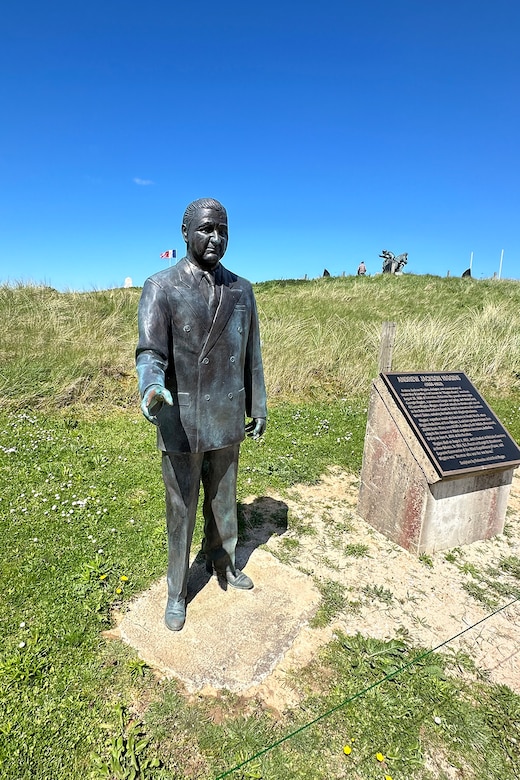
(182, 475)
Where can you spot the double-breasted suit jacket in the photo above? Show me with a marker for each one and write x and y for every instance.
(211, 365)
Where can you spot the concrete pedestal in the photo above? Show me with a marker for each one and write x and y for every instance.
(403, 497)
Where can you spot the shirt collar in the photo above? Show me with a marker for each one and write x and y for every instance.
(198, 273)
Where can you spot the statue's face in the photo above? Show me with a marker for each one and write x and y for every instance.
(206, 238)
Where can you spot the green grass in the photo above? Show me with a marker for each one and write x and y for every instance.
(320, 338)
(378, 593)
(330, 329)
(357, 550)
(83, 520)
(75, 487)
(83, 532)
(333, 601)
(377, 698)
(79, 501)
(427, 560)
(494, 585)
(67, 349)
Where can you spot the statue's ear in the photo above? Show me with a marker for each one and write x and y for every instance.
(184, 230)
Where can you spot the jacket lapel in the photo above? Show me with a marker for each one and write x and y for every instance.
(228, 300)
(187, 287)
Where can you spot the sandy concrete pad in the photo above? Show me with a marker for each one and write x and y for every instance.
(232, 639)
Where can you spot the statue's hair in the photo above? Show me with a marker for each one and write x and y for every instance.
(201, 203)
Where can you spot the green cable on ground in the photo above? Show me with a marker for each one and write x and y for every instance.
(361, 693)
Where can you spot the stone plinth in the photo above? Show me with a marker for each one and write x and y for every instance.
(403, 497)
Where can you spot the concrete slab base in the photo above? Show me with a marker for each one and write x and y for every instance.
(232, 639)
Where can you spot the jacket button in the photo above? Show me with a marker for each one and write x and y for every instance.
(205, 361)
(230, 395)
(232, 359)
(187, 328)
(239, 329)
(206, 397)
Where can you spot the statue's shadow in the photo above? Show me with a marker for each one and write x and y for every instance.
(257, 522)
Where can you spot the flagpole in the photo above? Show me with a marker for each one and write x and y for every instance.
(500, 267)
(470, 263)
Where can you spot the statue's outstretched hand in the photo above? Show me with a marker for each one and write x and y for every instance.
(153, 399)
(256, 427)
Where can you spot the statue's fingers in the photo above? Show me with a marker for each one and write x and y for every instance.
(167, 396)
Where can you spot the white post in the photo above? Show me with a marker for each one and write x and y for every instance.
(471, 262)
(500, 266)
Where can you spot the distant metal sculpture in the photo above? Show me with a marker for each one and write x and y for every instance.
(393, 264)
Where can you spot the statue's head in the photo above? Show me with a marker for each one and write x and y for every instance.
(205, 230)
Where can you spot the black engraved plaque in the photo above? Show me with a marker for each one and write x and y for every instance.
(456, 427)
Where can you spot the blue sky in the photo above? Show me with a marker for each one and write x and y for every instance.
(330, 131)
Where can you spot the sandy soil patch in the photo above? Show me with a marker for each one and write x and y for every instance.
(390, 591)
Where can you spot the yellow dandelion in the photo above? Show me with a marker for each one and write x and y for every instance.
(380, 757)
(347, 750)
(103, 576)
(387, 777)
(118, 590)
(124, 578)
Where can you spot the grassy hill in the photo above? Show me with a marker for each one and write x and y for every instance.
(83, 532)
(320, 338)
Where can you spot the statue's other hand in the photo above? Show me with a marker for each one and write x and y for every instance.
(256, 427)
(153, 399)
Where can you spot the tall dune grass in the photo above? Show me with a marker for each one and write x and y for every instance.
(59, 349)
(323, 337)
(320, 338)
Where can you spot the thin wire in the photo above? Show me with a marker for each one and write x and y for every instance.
(361, 693)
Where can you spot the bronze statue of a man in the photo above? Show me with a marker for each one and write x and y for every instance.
(200, 374)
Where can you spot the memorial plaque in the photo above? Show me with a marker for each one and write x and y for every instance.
(456, 427)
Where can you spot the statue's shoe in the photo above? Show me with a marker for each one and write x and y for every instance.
(175, 615)
(237, 579)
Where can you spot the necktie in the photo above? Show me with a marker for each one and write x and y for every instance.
(211, 293)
